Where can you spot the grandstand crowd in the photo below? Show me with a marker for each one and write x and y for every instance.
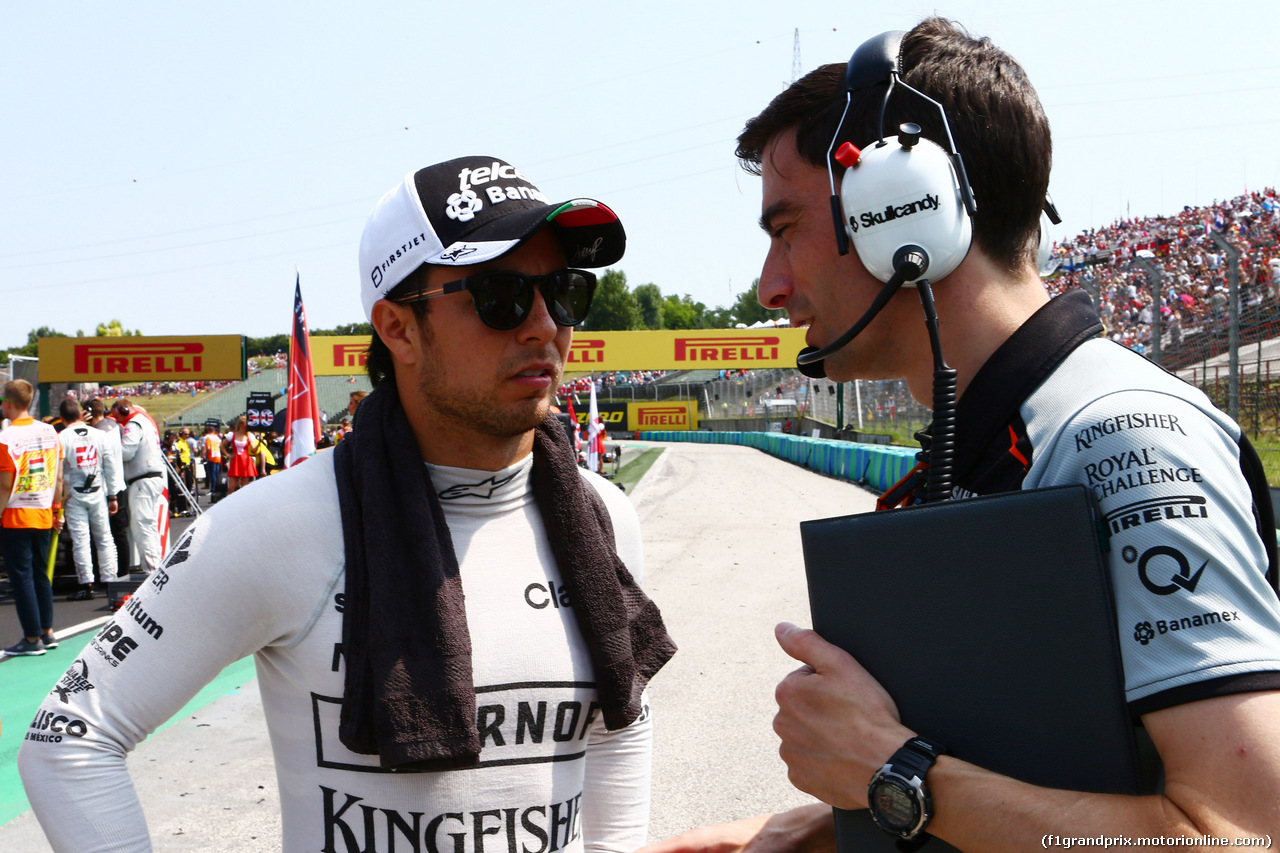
(88, 391)
(1108, 262)
(611, 378)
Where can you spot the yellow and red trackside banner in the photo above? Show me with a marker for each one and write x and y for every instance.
(333, 355)
(665, 415)
(702, 349)
(222, 356)
(136, 359)
(650, 415)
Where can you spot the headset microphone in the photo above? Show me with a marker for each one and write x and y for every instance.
(911, 263)
(813, 367)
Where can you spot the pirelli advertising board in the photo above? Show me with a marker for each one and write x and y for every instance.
(703, 349)
(667, 415)
(338, 356)
(141, 359)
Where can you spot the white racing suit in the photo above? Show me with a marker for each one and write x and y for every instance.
(88, 470)
(144, 474)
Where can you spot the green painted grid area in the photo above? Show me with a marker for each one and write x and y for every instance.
(24, 682)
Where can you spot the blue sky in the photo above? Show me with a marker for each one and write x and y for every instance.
(170, 164)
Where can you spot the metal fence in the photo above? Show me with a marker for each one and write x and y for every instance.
(881, 406)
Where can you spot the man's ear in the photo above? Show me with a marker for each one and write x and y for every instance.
(398, 328)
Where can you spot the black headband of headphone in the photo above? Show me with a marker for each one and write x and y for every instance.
(879, 60)
(874, 61)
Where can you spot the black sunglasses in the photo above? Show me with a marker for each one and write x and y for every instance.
(503, 298)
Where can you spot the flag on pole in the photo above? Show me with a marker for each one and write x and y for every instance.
(302, 411)
(577, 429)
(595, 434)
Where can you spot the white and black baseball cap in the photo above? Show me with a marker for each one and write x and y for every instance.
(469, 211)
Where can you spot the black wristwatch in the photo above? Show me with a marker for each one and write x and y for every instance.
(898, 795)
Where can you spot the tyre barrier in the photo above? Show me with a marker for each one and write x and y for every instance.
(877, 466)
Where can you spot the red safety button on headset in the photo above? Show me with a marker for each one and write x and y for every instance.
(847, 155)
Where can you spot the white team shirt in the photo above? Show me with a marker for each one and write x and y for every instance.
(262, 573)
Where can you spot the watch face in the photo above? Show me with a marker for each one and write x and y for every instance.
(894, 807)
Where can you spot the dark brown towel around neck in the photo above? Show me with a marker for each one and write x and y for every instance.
(409, 696)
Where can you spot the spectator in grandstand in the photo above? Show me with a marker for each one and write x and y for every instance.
(241, 447)
(1031, 372)
(30, 485)
(145, 477)
(87, 471)
(457, 482)
(1185, 249)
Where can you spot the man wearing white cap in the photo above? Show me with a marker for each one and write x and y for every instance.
(398, 711)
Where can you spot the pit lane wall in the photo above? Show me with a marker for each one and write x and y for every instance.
(876, 466)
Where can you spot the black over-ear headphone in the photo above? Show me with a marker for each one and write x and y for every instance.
(902, 192)
(905, 203)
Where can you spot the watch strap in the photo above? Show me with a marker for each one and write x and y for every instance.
(916, 756)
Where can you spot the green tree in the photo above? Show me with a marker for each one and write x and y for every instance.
(266, 346)
(681, 312)
(748, 310)
(614, 307)
(649, 301)
(718, 318)
(114, 329)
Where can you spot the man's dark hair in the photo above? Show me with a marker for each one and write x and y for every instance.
(996, 119)
(69, 411)
(96, 408)
(379, 363)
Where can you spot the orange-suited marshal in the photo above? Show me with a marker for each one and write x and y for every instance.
(30, 482)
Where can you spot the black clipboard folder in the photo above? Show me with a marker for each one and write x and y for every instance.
(991, 622)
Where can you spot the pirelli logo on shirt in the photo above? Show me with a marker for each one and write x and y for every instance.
(141, 359)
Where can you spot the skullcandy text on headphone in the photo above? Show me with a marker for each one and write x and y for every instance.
(891, 212)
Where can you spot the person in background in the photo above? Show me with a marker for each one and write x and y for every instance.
(145, 478)
(30, 486)
(211, 452)
(241, 447)
(354, 402)
(87, 472)
(96, 417)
